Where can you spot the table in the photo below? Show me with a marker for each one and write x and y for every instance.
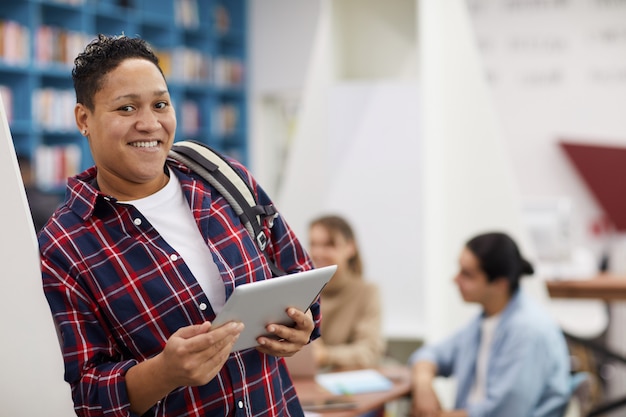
(606, 287)
(310, 392)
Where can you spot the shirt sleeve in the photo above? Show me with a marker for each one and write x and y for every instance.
(443, 354)
(93, 367)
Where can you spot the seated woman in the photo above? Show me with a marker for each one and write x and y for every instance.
(351, 308)
(511, 360)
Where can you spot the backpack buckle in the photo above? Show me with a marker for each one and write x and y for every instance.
(261, 240)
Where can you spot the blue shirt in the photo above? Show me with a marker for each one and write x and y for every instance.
(117, 291)
(528, 374)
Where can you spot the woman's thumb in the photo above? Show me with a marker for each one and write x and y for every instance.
(195, 329)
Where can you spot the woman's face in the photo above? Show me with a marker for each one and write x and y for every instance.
(472, 280)
(326, 249)
(130, 130)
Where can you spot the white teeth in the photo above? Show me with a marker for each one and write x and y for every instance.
(148, 144)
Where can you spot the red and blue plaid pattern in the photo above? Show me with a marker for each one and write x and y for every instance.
(117, 292)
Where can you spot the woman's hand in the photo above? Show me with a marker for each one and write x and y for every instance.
(289, 340)
(193, 356)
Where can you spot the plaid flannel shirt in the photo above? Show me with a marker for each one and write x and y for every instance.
(118, 291)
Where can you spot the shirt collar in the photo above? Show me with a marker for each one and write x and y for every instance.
(83, 195)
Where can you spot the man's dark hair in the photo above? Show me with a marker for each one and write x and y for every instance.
(500, 257)
(101, 56)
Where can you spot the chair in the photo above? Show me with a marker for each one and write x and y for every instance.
(580, 402)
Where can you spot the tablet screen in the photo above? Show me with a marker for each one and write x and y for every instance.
(260, 303)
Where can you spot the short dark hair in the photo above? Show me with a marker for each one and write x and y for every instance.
(101, 56)
(500, 257)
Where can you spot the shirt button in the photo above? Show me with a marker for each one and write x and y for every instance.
(203, 307)
(173, 257)
(137, 221)
(240, 404)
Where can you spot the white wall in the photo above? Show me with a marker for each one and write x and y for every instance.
(31, 367)
(356, 146)
(522, 46)
(468, 182)
(372, 37)
(557, 71)
(281, 38)
(338, 153)
(374, 152)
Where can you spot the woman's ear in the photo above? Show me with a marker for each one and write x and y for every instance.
(351, 249)
(81, 114)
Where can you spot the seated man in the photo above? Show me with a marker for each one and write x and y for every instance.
(511, 360)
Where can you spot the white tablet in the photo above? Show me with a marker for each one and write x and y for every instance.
(263, 302)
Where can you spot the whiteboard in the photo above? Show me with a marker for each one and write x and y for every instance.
(31, 366)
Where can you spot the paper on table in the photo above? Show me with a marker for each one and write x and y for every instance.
(354, 382)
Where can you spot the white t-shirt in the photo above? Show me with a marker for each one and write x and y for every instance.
(479, 387)
(169, 213)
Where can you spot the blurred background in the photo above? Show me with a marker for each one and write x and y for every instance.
(428, 121)
(423, 122)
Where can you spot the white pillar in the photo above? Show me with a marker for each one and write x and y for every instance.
(467, 184)
(31, 366)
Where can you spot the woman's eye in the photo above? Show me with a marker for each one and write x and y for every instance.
(126, 108)
(161, 105)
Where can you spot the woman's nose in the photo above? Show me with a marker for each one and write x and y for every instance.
(148, 121)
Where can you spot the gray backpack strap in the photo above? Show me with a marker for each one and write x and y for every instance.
(218, 172)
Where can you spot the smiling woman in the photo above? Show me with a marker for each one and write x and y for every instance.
(130, 125)
(143, 254)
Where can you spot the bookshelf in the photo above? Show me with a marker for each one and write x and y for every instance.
(201, 45)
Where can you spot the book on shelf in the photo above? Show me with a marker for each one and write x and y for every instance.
(14, 42)
(186, 14)
(53, 109)
(221, 19)
(228, 72)
(189, 65)
(190, 117)
(54, 45)
(225, 119)
(54, 164)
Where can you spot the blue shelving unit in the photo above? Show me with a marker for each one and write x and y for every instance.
(201, 44)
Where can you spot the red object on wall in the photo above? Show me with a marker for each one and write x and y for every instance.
(603, 169)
